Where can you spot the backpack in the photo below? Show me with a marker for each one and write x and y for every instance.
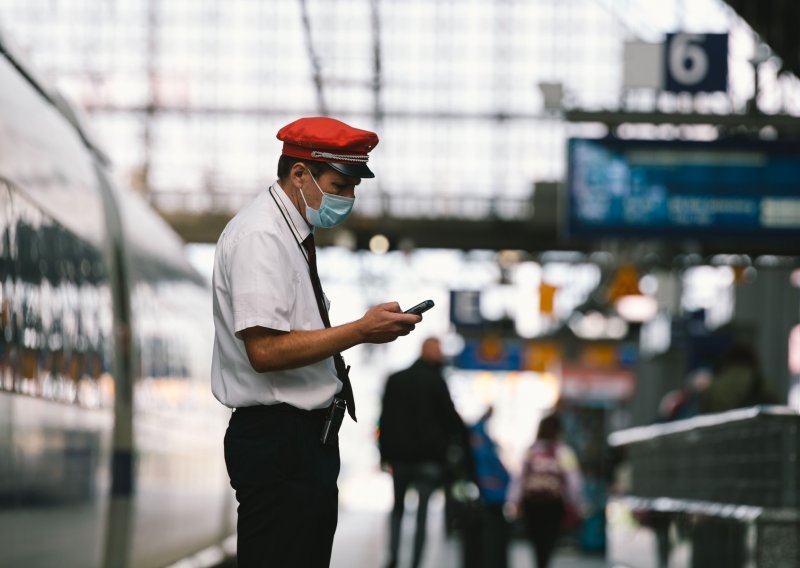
(543, 478)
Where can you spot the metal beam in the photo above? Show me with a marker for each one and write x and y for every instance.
(176, 109)
(533, 236)
(612, 119)
(316, 66)
(377, 77)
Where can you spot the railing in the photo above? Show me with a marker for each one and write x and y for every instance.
(374, 205)
(742, 457)
(724, 487)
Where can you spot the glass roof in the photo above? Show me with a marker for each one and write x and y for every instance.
(187, 95)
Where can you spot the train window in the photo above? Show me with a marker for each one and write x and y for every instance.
(55, 308)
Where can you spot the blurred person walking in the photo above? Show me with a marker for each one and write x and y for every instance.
(549, 491)
(419, 425)
(486, 540)
(277, 360)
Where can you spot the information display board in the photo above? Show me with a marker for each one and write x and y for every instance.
(679, 189)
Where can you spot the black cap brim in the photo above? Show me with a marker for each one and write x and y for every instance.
(353, 170)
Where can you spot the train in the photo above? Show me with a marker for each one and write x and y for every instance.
(111, 444)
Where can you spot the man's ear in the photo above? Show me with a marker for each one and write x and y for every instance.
(296, 173)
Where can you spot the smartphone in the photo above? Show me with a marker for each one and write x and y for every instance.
(420, 308)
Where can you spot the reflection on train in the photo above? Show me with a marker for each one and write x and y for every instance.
(110, 443)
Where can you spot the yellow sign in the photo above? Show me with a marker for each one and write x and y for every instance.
(599, 356)
(542, 356)
(547, 295)
(625, 283)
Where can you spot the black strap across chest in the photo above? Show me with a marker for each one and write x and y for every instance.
(308, 246)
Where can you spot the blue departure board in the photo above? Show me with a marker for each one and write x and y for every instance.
(681, 189)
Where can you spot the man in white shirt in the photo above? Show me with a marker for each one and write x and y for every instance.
(276, 357)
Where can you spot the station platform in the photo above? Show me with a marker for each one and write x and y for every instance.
(362, 533)
(361, 542)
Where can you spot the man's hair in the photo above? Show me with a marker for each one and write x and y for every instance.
(285, 164)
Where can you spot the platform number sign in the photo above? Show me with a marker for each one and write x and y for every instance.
(696, 63)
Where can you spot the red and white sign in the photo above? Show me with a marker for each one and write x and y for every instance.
(583, 383)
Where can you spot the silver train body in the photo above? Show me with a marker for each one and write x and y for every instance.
(110, 442)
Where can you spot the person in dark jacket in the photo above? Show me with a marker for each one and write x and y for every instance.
(418, 425)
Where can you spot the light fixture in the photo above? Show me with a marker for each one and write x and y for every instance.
(636, 308)
(595, 325)
(379, 244)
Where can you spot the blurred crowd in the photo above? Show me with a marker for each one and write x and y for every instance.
(426, 446)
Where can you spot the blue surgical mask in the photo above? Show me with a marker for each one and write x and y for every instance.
(332, 211)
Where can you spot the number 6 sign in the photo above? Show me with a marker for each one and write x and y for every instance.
(695, 63)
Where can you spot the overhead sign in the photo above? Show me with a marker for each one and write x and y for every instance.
(465, 308)
(678, 189)
(644, 65)
(683, 63)
(696, 63)
(601, 372)
(584, 383)
(542, 356)
(624, 283)
(490, 354)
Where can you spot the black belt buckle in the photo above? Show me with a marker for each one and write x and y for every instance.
(333, 420)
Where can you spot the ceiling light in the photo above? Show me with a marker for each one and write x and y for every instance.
(637, 308)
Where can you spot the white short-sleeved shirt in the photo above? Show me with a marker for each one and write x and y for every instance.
(261, 278)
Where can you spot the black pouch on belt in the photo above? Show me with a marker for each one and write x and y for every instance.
(333, 420)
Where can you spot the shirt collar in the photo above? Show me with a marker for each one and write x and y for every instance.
(298, 224)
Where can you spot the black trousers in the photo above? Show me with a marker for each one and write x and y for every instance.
(485, 535)
(425, 477)
(543, 524)
(285, 482)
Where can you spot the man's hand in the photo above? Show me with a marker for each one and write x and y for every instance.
(272, 350)
(386, 322)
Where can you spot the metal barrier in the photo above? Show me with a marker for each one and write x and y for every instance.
(716, 490)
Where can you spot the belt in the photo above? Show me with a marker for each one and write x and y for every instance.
(281, 408)
(331, 417)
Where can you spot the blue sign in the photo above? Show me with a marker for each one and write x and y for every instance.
(679, 189)
(696, 63)
(490, 354)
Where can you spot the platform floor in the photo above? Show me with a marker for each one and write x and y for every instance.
(361, 542)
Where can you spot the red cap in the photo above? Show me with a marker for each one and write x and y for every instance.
(323, 139)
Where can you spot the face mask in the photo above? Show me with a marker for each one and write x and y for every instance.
(332, 210)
